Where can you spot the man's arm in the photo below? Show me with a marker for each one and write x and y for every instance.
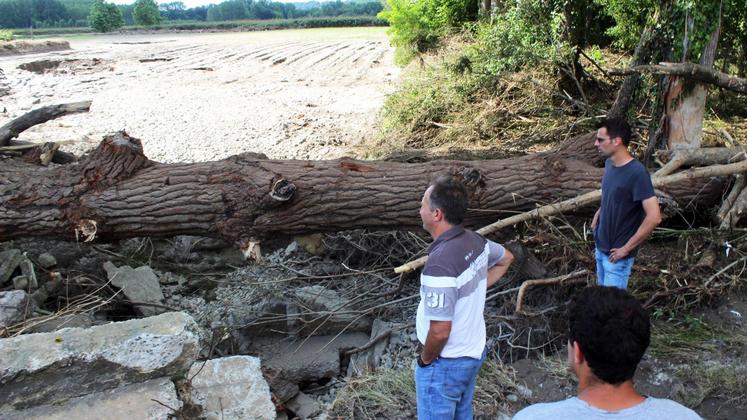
(438, 335)
(500, 268)
(653, 218)
(595, 220)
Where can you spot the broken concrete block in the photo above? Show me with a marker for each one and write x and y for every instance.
(128, 402)
(369, 359)
(304, 406)
(49, 368)
(9, 261)
(231, 388)
(47, 260)
(319, 298)
(282, 389)
(15, 306)
(139, 285)
(27, 270)
(268, 322)
(306, 360)
(21, 282)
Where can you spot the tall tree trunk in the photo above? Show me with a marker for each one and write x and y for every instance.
(626, 93)
(116, 192)
(685, 102)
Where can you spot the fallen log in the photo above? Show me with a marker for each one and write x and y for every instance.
(675, 159)
(38, 116)
(116, 192)
(692, 71)
(593, 197)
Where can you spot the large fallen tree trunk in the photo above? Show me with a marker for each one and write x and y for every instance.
(116, 192)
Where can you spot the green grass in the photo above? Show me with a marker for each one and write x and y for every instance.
(688, 337)
(711, 379)
(389, 393)
(249, 25)
(447, 106)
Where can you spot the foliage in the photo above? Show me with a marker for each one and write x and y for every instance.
(244, 25)
(516, 39)
(264, 9)
(416, 26)
(681, 19)
(390, 393)
(74, 13)
(146, 13)
(105, 17)
(6, 35)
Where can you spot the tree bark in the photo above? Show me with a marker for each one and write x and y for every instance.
(116, 192)
(627, 90)
(737, 211)
(486, 6)
(38, 116)
(684, 103)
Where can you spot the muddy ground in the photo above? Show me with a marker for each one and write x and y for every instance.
(303, 94)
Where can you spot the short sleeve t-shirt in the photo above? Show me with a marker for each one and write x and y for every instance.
(576, 409)
(623, 190)
(453, 286)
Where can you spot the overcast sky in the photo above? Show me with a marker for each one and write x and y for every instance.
(195, 3)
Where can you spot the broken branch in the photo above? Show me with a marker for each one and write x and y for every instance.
(39, 116)
(554, 280)
(691, 71)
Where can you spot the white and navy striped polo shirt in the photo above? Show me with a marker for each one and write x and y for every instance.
(453, 285)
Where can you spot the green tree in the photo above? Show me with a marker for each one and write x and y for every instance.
(417, 25)
(146, 13)
(105, 17)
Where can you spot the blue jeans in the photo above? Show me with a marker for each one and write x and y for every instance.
(445, 388)
(613, 274)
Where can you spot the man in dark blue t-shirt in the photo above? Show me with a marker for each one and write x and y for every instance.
(629, 211)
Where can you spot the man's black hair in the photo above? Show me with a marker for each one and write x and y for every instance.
(449, 195)
(612, 329)
(617, 127)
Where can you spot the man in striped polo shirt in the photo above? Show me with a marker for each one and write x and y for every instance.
(450, 323)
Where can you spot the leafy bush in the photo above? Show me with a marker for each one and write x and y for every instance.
(146, 13)
(417, 25)
(6, 35)
(515, 39)
(105, 17)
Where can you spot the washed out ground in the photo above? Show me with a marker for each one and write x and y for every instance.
(316, 94)
(304, 94)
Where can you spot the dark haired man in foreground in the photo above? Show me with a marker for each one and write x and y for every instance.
(629, 211)
(450, 323)
(609, 332)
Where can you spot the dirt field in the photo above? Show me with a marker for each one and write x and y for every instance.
(302, 94)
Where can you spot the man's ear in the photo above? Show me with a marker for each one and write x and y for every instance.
(438, 214)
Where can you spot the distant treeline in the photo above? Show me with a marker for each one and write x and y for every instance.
(74, 13)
